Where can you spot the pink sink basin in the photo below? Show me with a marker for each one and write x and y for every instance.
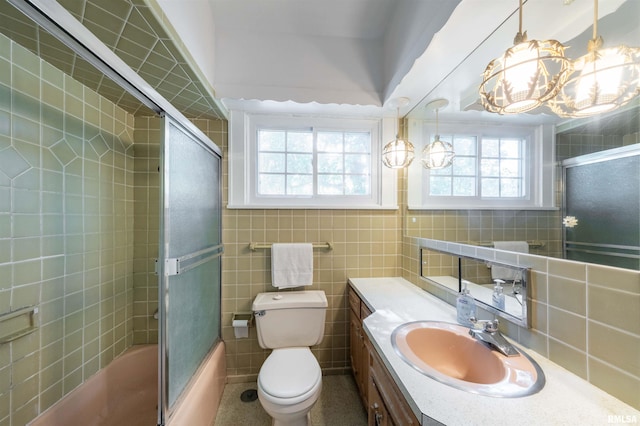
(447, 353)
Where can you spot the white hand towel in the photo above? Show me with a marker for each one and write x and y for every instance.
(517, 246)
(291, 265)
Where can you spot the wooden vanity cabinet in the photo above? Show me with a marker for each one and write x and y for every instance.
(358, 348)
(380, 395)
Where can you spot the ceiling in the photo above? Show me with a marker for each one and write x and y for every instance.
(352, 57)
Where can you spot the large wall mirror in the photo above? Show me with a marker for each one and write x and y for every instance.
(450, 273)
(605, 148)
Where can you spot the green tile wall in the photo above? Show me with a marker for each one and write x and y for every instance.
(66, 231)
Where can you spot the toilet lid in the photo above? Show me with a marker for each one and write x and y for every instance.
(289, 372)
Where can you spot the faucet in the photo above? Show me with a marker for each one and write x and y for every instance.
(490, 335)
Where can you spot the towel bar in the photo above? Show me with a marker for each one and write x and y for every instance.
(256, 246)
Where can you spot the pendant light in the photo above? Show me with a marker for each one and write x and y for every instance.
(438, 154)
(525, 76)
(601, 81)
(398, 153)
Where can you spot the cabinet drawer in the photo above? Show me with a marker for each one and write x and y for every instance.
(354, 302)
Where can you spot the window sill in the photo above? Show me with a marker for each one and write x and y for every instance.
(309, 207)
(480, 207)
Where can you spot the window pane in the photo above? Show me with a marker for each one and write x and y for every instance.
(490, 187)
(270, 184)
(271, 163)
(510, 168)
(442, 172)
(357, 164)
(299, 163)
(330, 163)
(330, 141)
(299, 185)
(440, 185)
(510, 188)
(464, 145)
(330, 184)
(490, 168)
(510, 148)
(357, 142)
(464, 186)
(356, 185)
(490, 148)
(271, 140)
(465, 166)
(300, 142)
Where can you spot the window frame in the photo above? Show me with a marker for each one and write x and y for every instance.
(243, 163)
(539, 168)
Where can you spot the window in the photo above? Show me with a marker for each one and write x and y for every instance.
(313, 163)
(307, 162)
(494, 168)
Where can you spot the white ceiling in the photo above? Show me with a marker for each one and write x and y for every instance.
(357, 56)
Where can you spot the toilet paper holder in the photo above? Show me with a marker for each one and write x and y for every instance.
(243, 316)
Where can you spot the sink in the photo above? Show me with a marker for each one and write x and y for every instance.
(447, 353)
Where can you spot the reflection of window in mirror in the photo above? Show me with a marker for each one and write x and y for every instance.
(495, 167)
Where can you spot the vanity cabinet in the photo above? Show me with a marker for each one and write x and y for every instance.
(380, 395)
(358, 348)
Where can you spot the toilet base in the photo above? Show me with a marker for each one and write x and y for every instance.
(303, 421)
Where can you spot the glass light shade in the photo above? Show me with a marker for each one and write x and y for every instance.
(602, 80)
(398, 154)
(438, 154)
(528, 74)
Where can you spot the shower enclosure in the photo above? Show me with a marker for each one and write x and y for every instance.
(190, 249)
(602, 191)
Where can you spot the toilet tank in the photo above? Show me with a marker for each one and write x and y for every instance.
(289, 319)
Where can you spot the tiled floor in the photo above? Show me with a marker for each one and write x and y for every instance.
(339, 405)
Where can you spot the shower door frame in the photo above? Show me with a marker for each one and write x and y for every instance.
(168, 267)
(582, 160)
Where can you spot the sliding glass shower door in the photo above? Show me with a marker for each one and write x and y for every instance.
(602, 191)
(189, 259)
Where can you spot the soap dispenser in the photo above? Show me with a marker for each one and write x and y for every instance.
(498, 295)
(466, 307)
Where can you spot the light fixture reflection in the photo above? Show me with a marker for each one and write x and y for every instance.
(399, 153)
(438, 154)
(602, 80)
(525, 76)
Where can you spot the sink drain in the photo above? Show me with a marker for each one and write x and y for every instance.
(249, 395)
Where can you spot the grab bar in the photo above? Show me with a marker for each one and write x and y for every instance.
(256, 246)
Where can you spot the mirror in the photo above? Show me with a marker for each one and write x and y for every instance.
(449, 273)
(619, 24)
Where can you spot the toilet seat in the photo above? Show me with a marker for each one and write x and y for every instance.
(289, 376)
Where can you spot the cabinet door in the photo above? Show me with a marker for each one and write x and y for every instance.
(355, 344)
(378, 415)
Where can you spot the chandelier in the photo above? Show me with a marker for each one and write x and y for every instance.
(438, 154)
(601, 81)
(525, 76)
(398, 153)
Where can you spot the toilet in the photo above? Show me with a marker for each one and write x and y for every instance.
(290, 380)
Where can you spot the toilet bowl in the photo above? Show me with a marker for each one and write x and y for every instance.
(290, 380)
(289, 384)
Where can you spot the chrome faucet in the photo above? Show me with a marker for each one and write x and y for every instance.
(490, 335)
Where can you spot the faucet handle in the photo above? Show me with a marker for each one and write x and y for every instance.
(490, 326)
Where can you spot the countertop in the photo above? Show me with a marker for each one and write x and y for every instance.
(565, 399)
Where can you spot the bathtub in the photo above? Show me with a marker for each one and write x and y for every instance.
(125, 392)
